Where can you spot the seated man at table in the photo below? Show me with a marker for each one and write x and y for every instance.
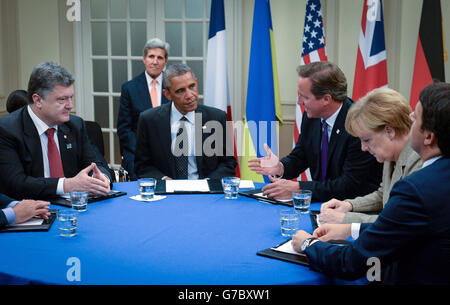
(173, 141)
(410, 238)
(14, 212)
(44, 150)
(338, 167)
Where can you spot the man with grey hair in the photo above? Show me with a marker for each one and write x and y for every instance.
(44, 150)
(174, 140)
(139, 94)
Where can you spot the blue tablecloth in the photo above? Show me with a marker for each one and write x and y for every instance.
(181, 240)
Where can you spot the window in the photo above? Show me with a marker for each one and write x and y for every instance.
(108, 47)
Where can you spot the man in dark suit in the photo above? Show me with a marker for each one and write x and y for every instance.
(44, 150)
(410, 239)
(14, 212)
(139, 94)
(339, 169)
(173, 141)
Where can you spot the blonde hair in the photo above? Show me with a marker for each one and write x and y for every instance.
(377, 109)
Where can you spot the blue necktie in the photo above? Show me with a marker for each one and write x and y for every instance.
(324, 149)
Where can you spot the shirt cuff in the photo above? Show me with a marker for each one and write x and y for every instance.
(60, 187)
(355, 230)
(10, 215)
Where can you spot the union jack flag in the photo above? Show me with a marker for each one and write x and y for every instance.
(371, 63)
(313, 49)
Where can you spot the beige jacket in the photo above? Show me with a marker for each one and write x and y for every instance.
(407, 163)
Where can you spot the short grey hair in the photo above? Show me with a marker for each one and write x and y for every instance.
(156, 43)
(175, 70)
(45, 76)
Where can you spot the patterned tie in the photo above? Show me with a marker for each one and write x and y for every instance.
(324, 150)
(154, 95)
(54, 159)
(181, 162)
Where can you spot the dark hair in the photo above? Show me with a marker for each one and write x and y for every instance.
(173, 70)
(326, 78)
(16, 100)
(45, 76)
(435, 100)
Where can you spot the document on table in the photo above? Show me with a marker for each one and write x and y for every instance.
(286, 248)
(31, 222)
(246, 184)
(173, 186)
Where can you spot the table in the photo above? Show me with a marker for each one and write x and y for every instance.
(200, 239)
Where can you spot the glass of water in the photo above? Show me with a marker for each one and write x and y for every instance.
(289, 222)
(79, 200)
(302, 200)
(231, 187)
(147, 188)
(67, 222)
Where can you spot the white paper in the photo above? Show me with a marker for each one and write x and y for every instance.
(155, 198)
(31, 222)
(286, 248)
(264, 196)
(187, 186)
(246, 184)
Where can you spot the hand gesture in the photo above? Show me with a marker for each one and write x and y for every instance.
(268, 165)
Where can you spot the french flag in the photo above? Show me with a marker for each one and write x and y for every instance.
(216, 90)
(371, 63)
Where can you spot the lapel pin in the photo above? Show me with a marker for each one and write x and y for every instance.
(69, 146)
(337, 131)
(65, 137)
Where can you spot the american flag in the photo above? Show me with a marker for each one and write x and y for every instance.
(313, 46)
(313, 49)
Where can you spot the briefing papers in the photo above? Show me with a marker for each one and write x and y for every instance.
(173, 186)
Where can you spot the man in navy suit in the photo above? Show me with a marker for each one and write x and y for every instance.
(168, 144)
(13, 212)
(139, 94)
(339, 169)
(410, 241)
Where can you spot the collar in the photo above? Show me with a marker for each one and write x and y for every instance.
(150, 79)
(332, 119)
(431, 161)
(175, 115)
(40, 125)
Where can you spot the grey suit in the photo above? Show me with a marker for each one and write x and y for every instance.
(407, 163)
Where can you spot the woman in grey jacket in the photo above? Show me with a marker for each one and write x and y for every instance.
(381, 120)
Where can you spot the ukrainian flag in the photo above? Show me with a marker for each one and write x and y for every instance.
(263, 107)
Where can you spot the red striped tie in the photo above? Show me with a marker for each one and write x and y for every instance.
(54, 159)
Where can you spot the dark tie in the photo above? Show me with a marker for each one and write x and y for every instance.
(324, 150)
(181, 162)
(54, 159)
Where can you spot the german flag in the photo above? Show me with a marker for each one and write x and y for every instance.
(429, 63)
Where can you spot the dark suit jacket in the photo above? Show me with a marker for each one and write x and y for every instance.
(4, 201)
(411, 236)
(21, 162)
(134, 99)
(154, 157)
(350, 171)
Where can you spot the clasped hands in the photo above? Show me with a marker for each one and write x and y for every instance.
(97, 184)
(272, 167)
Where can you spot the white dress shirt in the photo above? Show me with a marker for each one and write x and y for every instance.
(41, 128)
(175, 117)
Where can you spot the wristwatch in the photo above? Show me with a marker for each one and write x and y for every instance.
(306, 243)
